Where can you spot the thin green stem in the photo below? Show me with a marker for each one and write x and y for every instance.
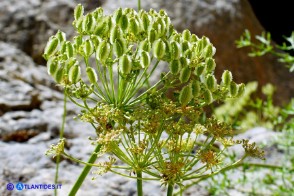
(170, 189)
(139, 183)
(139, 5)
(85, 171)
(60, 137)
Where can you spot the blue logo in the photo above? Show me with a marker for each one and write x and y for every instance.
(19, 186)
(10, 186)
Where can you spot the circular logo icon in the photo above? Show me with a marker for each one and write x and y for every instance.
(10, 186)
(19, 186)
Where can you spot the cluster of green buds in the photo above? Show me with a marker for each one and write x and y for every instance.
(120, 53)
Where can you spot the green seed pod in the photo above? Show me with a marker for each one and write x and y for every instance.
(211, 82)
(186, 95)
(199, 69)
(134, 26)
(176, 37)
(78, 11)
(52, 67)
(117, 15)
(69, 49)
(145, 21)
(233, 89)
(241, 89)
(227, 78)
(185, 45)
(161, 27)
(87, 48)
(175, 50)
(119, 47)
(196, 88)
(194, 38)
(123, 22)
(59, 75)
(51, 47)
(184, 61)
(98, 13)
(159, 49)
(74, 74)
(103, 51)
(125, 64)
(88, 23)
(144, 59)
(175, 66)
(208, 97)
(210, 64)
(186, 35)
(61, 36)
(144, 45)
(78, 41)
(115, 33)
(188, 54)
(96, 40)
(208, 51)
(101, 28)
(152, 36)
(92, 75)
(185, 74)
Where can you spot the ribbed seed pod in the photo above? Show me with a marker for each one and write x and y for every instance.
(185, 45)
(51, 47)
(88, 23)
(233, 89)
(133, 26)
(69, 50)
(117, 15)
(175, 50)
(199, 69)
(161, 27)
(96, 40)
(152, 36)
(78, 12)
(61, 36)
(103, 51)
(185, 74)
(186, 95)
(123, 22)
(159, 49)
(208, 51)
(144, 45)
(210, 64)
(211, 82)
(115, 33)
(74, 74)
(186, 35)
(208, 97)
(175, 66)
(101, 27)
(92, 75)
(194, 38)
(52, 66)
(241, 89)
(227, 78)
(144, 59)
(196, 88)
(78, 41)
(59, 75)
(119, 47)
(87, 48)
(125, 64)
(184, 61)
(145, 21)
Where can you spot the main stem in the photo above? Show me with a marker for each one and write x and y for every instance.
(60, 137)
(139, 183)
(85, 172)
(170, 189)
